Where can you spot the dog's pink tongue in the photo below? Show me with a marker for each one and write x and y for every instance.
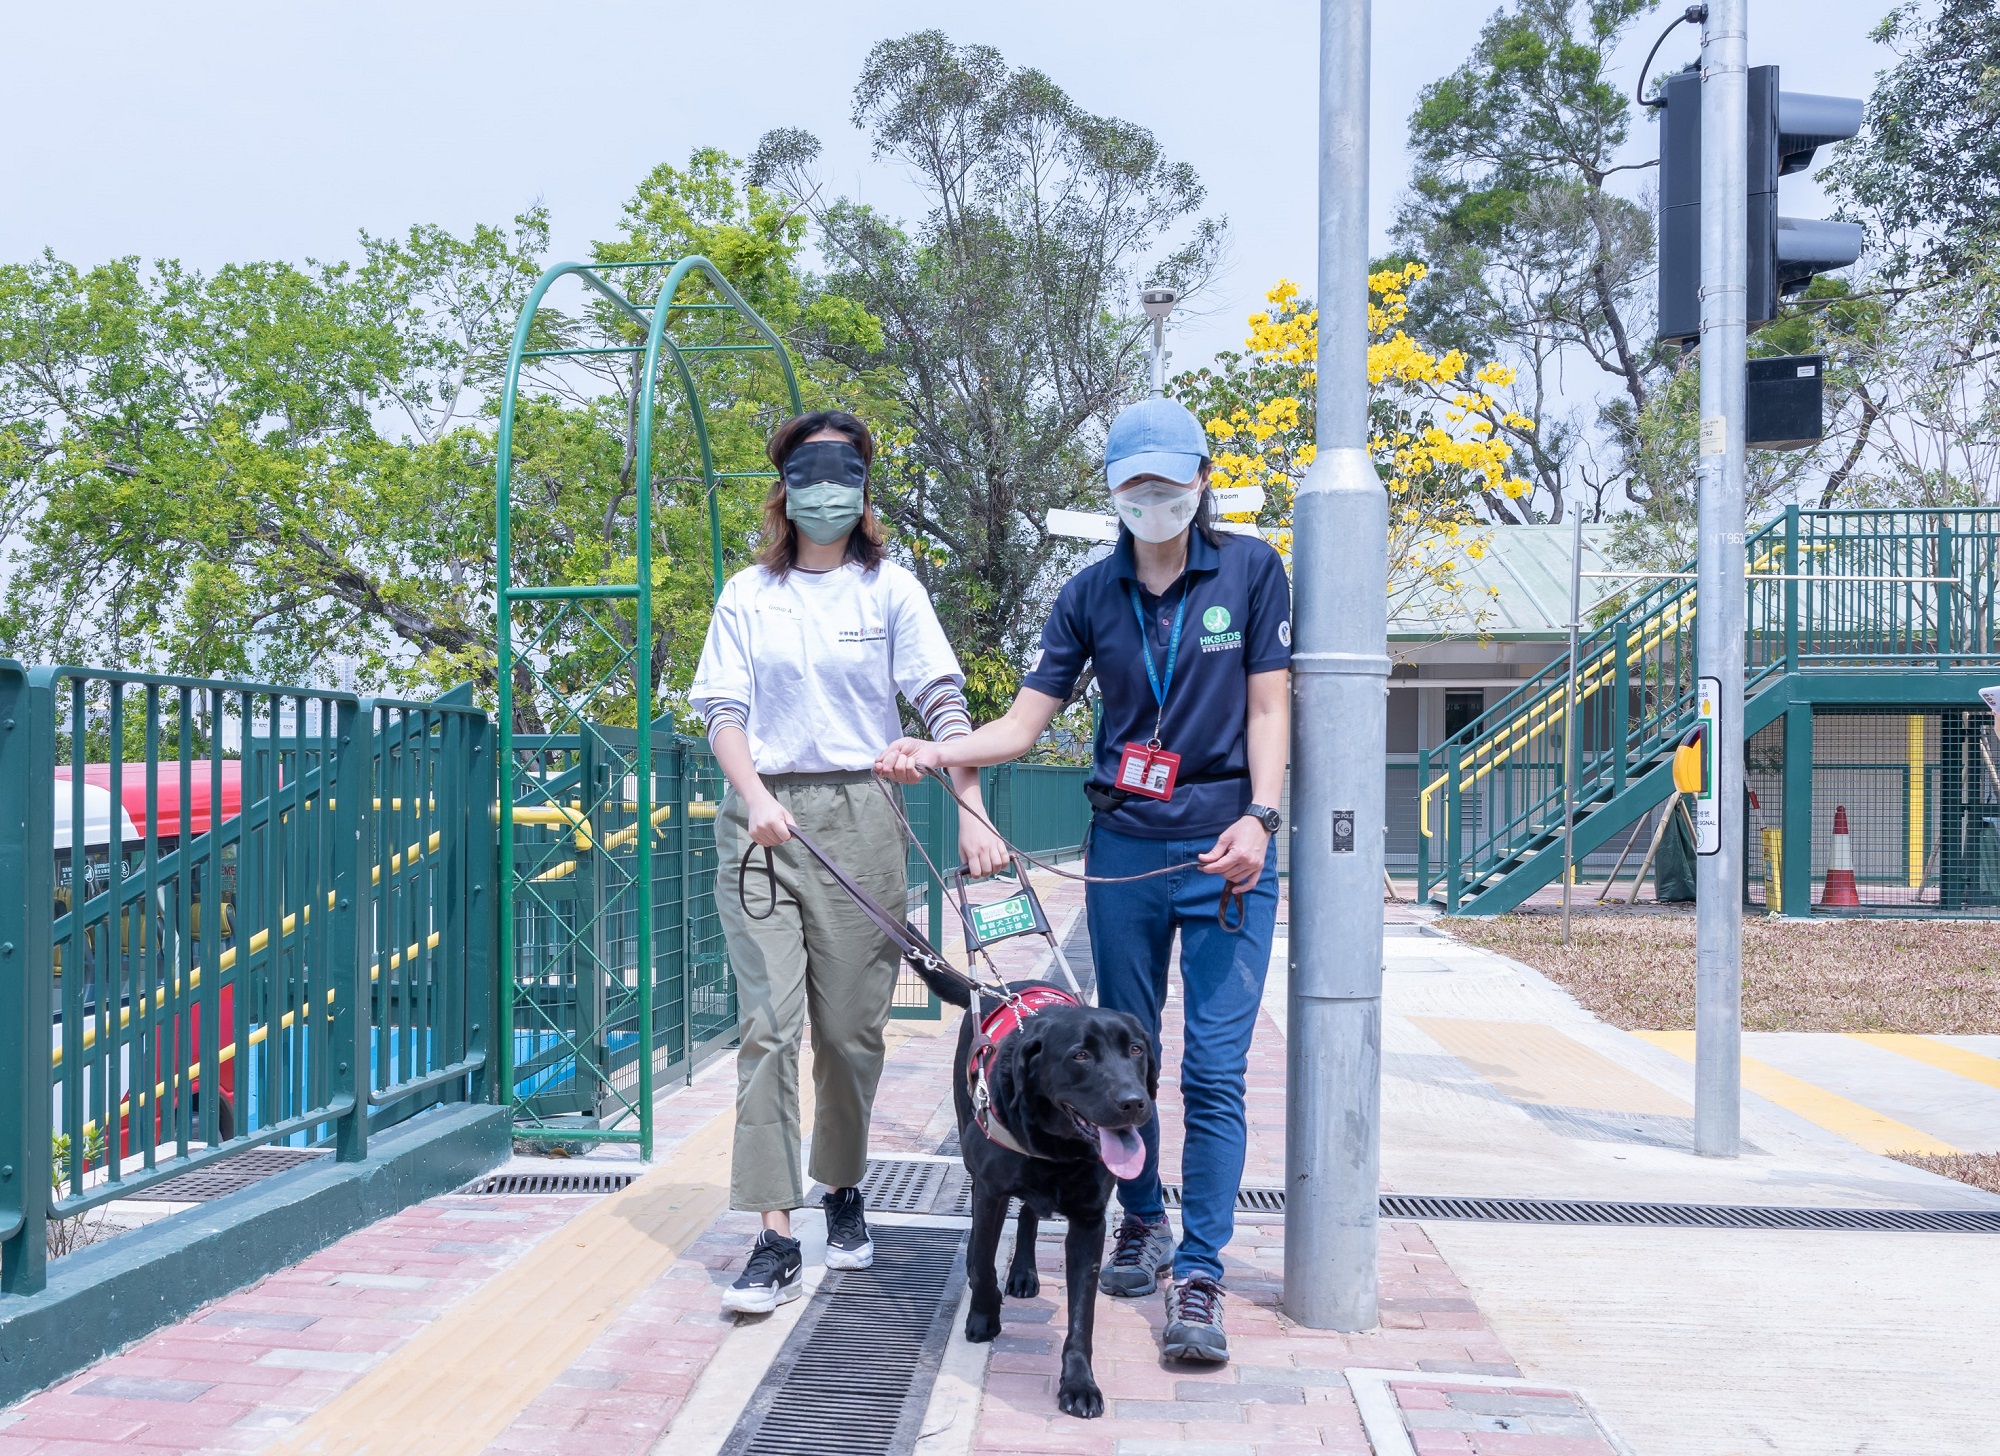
(1123, 1153)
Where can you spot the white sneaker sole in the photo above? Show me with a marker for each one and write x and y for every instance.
(762, 1300)
(861, 1258)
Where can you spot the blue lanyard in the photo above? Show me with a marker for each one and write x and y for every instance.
(1160, 688)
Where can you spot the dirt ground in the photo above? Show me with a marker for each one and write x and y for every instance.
(1981, 1170)
(1637, 971)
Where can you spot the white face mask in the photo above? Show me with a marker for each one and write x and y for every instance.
(1156, 510)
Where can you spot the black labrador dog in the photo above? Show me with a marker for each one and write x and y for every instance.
(1048, 1113)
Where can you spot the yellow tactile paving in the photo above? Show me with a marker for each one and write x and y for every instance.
(1535, 1063)
(1940, 1054)
(455, 1387)
(1860, 1125)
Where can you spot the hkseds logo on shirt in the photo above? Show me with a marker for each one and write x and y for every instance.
(864, 634)
(1216, 634)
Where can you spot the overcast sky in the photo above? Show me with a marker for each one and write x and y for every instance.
(217, 132)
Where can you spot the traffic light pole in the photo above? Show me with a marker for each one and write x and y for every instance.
(1719, 584)
(1340, 666)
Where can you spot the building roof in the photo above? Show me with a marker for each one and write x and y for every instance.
(1517, 591)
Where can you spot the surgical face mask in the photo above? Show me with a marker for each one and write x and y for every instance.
(824, 481)
(825, 510)
(1157, 510)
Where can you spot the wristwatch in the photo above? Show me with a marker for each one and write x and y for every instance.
(1268, 817)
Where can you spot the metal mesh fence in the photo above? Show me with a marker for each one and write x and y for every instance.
(1905, 813)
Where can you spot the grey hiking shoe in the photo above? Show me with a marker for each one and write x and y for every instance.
(1140, 1254)
(1194, 1321)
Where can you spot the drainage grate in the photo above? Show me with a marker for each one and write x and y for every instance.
(1248, 1200)
(855, 1375)
(1690, 1215)
(581, 1181)
(231, 1175)
(905, 1185)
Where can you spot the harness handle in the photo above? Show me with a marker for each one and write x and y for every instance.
(1222, 904)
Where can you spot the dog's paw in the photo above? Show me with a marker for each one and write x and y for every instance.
(1080, 1398)
(1023, 1283)
(981, 1327)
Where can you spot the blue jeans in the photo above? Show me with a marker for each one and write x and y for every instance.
(1222, 985)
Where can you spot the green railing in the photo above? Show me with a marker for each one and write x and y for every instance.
(234, 914)
(1891, 589)
(575, 996)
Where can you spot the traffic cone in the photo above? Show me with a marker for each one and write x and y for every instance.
(1839, 892)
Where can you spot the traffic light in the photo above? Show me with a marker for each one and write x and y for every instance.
(1785, 253)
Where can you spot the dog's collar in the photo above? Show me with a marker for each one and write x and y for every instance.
(995, 1027)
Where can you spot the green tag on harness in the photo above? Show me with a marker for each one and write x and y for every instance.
(1002, 918)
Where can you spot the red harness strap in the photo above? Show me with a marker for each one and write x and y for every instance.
(995, 1027)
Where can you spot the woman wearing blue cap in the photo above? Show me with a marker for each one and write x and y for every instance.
(805, 656)
(1188, 631)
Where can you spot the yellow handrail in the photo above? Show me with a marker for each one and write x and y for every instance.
(258, 1035)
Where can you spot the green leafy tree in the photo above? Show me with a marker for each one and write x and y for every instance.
(256, 470)
(276, 469)
(1535, 254)
(1924, 177)
(1009, 332)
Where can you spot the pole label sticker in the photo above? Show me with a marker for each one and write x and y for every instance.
(1715, 435)
(1707, 802)
(1343, 831)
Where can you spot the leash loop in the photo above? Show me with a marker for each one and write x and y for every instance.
(770, 877)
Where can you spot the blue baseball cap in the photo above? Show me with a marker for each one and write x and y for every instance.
(1154, 437)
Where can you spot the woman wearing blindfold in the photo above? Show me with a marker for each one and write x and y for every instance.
(798, 683)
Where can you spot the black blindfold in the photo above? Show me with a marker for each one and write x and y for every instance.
(818, 460)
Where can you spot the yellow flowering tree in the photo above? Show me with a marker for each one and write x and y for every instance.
(1437, 422)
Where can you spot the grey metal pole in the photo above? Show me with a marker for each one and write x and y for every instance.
(1719, 585)
(1570, 739)
(1340, 664)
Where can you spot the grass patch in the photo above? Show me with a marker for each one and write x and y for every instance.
(1981, 1170)
(1637, 971)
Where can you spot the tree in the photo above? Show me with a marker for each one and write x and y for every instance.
(274, 468)
(1439, 434)
(1924, 177)
(1008, 328)
(199, 473)
(1534, 255)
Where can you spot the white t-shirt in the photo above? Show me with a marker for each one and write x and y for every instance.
(816, 661)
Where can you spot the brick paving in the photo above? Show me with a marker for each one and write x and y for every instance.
(249, 1367)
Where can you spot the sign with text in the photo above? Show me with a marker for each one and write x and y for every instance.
(1707, 801)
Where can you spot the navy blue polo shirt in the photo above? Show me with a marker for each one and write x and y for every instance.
(1239, 621)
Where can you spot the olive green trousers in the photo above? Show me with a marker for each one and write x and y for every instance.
(816, 955)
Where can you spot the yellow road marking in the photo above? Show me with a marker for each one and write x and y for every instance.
(1940, 1054)
(456, 1386)
(1863, 1126)
(1535, 1063)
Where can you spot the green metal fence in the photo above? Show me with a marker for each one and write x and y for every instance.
(233, 914)
(1893, 593)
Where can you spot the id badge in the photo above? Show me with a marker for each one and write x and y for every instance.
(1143, 769)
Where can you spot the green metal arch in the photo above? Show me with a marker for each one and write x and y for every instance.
(653, 318)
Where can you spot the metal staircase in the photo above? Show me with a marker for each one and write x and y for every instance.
(1899, 596)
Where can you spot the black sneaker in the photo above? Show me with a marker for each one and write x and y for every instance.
(772, 1275)
(1194, 1321)
(847, 1243)
(1140, 1253)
